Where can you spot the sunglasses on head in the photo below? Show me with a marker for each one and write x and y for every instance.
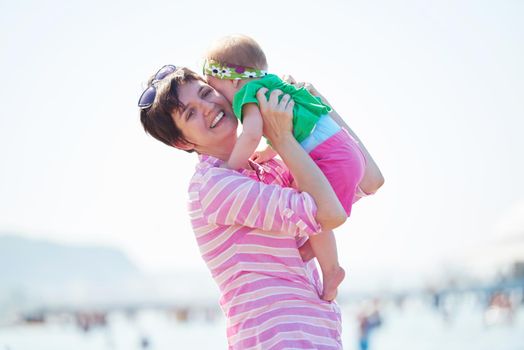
(148, 96)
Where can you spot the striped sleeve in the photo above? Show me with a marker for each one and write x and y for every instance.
(285, 178)
(230, 198)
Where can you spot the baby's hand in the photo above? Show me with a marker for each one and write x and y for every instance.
(263, 156)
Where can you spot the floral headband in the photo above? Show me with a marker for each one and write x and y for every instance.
(231, 71)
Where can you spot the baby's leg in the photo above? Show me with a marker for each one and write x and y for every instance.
(343, 164)
(325, 248)
(338, 157)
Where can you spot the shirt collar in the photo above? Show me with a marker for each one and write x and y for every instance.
(207, 160)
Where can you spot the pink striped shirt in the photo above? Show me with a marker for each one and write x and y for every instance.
(247, 225)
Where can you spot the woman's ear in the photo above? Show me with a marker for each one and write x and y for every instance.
(184, 145)
(235, 83)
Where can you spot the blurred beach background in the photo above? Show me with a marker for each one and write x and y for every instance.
(96, 250)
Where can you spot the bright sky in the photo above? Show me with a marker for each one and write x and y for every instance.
(434, 90)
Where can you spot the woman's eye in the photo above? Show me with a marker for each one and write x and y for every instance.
(189, 114)
(207, 92)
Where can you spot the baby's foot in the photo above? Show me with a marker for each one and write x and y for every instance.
(331, 281)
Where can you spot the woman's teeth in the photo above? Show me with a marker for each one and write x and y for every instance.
(217, 119)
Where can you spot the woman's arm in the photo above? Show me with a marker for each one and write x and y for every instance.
(277, 119)
(228, 197)
(373, 178)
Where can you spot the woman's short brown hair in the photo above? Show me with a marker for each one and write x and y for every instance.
(157, 120)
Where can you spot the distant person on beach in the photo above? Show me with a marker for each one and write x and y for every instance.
(247, 220)
(236, 66)
(369, 319)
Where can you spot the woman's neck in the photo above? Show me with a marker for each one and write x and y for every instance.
(225, 157)
(223, 154)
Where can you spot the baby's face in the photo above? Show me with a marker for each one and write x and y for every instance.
(224, 86)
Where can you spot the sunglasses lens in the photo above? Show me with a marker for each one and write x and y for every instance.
(165, 71)
(147, 98)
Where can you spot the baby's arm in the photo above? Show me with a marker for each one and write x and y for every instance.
(249, 138)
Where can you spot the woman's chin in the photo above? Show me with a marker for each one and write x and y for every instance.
(230, 119)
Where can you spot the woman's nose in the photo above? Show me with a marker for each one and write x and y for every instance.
(207, 107)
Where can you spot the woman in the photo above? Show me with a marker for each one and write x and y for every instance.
(247, 222)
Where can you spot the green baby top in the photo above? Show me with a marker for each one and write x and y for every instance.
(307, 110)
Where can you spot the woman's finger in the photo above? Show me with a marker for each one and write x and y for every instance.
(309, 87)
(284, 99)
(289, 79)
(289, 107)
(273, 97)
(261, 97)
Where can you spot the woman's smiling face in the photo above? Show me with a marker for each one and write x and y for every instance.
(206, 120)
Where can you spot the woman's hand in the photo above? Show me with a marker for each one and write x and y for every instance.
(277, 115)
(308, 86)
(306, 251)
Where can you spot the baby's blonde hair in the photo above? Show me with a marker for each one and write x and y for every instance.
(239, 50)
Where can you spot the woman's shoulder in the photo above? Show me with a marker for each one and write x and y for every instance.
(208, 172)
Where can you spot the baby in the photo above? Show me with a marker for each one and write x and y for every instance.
(236, 67)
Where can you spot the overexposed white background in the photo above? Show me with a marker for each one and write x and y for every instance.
(434, 90)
